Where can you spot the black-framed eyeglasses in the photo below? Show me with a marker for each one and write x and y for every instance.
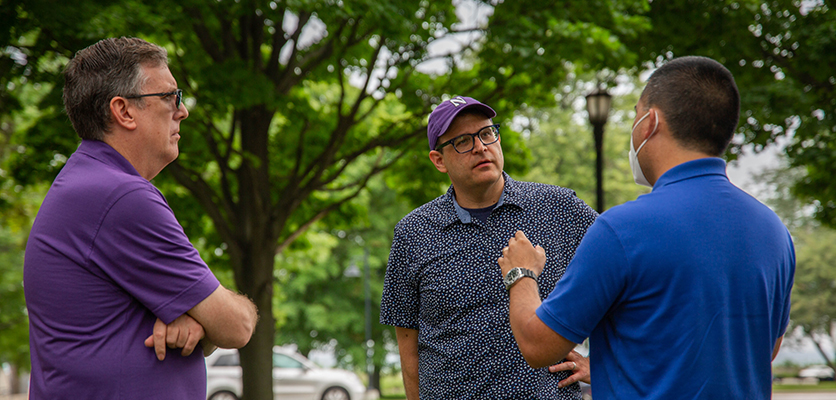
(464, 143)
(178, 96)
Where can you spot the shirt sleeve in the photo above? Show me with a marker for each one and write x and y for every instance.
(400, 303)
(591, 287)
(142, 247)
(785, 307)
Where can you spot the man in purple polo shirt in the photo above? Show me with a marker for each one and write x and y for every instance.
(110, 277)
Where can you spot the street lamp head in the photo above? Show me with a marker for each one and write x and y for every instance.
(353, 271)
(598, 106)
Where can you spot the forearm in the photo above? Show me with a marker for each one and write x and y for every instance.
(777, 347)
(525, 299)
(228, 318)
(408, 350)
(410, 380)
(539, 345)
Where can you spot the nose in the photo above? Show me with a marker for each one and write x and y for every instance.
(183, 112)
(478, 146)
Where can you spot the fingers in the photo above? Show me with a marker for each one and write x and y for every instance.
(576, 364)
(519, 239)
(182, 333)
(195, 334)
(189, 345)
(175, 337)
(564, 366)
(160, 339)
(520, 235)
(570, 380)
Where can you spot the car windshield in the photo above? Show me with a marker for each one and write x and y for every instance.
(227, 360)
(279, 361)
(283, 361)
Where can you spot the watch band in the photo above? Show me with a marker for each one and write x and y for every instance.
(516, 274)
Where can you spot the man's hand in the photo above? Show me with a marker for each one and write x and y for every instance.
(182, 333)
(576, 363)
(520, 253)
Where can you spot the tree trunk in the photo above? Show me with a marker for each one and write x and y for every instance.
(374, 380)
(14, 379)
(255, 280)
(257, 244)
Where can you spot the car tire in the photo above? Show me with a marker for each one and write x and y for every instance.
(336, 393)
(224, 395)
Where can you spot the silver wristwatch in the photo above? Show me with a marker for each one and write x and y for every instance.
(515, 274)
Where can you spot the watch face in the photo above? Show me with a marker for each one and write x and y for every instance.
(512, 276)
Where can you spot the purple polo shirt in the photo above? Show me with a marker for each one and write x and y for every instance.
(105, 258)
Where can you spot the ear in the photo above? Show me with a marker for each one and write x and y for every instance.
(122, 113)
(438, 160)
(649, 125)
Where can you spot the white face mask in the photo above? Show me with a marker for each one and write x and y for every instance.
(633, 155)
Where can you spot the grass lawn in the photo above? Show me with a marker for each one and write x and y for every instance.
(391, 387)
(824, 386)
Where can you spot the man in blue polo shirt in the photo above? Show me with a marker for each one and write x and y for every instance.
(110, 277)
(685, 292)
(443, 290)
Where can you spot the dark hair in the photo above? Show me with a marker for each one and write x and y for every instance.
(111, 67)
(700, 102)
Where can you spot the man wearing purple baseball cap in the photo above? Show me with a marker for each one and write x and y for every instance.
(445, 293)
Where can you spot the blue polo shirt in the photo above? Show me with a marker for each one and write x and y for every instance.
(443, 280)
(682, 292)
(105, 258)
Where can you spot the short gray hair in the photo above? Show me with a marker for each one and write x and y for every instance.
(111, 67)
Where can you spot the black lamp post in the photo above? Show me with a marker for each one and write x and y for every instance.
(354, 272)
(598, 106)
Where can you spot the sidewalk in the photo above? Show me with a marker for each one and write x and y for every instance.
(804, 396)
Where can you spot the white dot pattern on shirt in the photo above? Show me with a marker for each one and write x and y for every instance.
(443, 280)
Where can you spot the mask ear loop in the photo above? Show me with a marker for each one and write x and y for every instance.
(651, 133)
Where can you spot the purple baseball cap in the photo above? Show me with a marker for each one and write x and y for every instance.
(445, 112)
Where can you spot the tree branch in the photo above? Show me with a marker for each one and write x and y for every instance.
(206, 197)
(278, 43)
(222, 160)
(204, 35)
(360, 185)
(287, 79)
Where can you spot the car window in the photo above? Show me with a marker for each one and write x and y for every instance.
(283, 361)
(227, 360)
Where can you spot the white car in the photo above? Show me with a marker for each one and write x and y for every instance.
(822, 372)
(294, 378)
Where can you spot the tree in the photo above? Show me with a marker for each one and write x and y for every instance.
(783, 56)
(813, 312)
(297, 105)
(323, 277)
(18, 205)
(563, 150)
(14, 324)
(814, 294)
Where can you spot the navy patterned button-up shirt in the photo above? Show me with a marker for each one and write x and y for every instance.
(443, 280)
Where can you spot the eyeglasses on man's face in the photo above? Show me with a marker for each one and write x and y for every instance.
(178, 96)
(464, 143)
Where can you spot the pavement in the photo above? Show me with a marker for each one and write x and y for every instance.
(805, 396)
(775, 396)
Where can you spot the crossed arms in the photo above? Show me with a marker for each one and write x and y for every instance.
(223, 319)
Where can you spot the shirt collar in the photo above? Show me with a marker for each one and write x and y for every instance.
(692, 169)
(105, 153)
(511, 195)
